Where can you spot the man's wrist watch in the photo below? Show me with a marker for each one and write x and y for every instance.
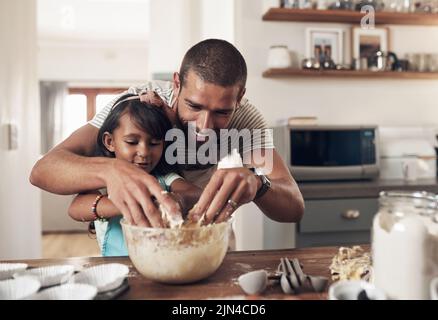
(266, 183)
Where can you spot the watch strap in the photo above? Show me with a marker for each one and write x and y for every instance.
(266, 184)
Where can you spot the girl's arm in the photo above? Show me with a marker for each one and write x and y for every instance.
(80, 208)
(189, 194)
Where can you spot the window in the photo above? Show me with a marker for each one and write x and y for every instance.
(74, 114)
(81, 106)
(102, 100)
(95, 99)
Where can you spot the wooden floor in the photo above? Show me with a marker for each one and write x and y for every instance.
(65, 245)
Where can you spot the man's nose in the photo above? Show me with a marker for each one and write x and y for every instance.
(205, 121)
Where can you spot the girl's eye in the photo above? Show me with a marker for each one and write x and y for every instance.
(132, 142)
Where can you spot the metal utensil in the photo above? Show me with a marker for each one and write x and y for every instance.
(296, 283)
(297, 268)
(255, 282)
(318, 283)
(293, 280)
(286, 286)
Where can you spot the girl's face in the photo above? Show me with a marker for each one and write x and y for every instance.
(130, 143)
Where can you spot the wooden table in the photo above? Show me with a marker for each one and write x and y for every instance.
(223, 284)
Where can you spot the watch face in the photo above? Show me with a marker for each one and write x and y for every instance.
(258, 171)
(268, 182)
(266, 185)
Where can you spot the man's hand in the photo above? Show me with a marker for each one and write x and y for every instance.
(152, 97)
(227, 190)
(131, 190)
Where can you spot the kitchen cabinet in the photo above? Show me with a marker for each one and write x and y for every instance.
(341, 212)
(336, 222)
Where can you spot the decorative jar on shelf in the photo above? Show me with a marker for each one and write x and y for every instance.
(279, 57)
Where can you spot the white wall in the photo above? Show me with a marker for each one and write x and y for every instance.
(101, 41)
(169, 37)
(185, 23)
(217, 19)
(20, 203)
(333, 101)
(114, 63)
(55, 217)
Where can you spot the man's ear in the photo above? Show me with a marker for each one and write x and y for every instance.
(108, 141)
(240, 96)
(176, 84)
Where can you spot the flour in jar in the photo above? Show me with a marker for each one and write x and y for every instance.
(405, 255)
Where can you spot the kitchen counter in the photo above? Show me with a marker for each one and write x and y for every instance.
(362, 189)
(223, 284)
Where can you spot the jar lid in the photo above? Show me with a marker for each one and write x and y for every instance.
(406, 194)
(419, 199)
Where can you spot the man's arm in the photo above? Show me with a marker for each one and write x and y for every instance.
(282, 203)
(69, 169)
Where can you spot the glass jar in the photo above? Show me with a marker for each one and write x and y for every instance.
(405, 244)
(399, 5)
(376, 4)
(342, 5)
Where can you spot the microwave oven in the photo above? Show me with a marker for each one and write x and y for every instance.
(321, 153)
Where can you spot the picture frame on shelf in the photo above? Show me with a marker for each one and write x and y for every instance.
(325, 41)
(365, 42)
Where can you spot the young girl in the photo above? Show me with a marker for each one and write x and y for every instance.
(134, 131)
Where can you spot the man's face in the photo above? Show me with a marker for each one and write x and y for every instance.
(210, 106)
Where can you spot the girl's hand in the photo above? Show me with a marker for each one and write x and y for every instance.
(173, 219)
(131, 190)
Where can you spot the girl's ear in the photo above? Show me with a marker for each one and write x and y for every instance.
(108, 141)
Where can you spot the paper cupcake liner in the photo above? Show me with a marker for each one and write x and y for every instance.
(15, 289)
(8, 269)
(49, 275)
(104, 277)
(69, 291)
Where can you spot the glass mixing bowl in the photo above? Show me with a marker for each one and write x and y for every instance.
(177, 256)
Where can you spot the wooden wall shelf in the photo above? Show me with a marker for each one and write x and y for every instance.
(299, 73)
(345, 16)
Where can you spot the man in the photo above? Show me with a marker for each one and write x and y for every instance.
(207, 92)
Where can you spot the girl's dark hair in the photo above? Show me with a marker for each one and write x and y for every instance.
(147, 117)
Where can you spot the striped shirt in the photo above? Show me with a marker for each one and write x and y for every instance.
(246, 117)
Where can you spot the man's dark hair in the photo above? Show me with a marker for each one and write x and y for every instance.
(215, 61)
